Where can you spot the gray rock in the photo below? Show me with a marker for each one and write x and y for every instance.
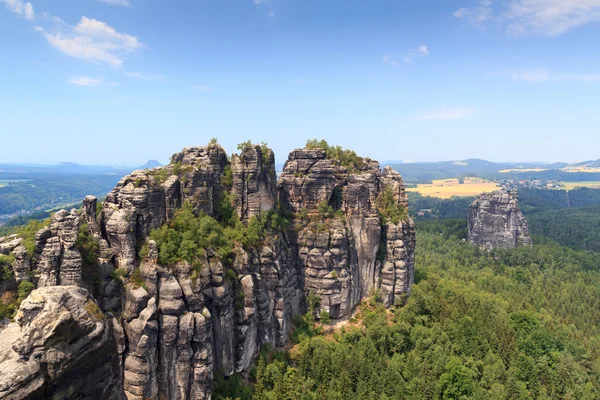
(495, 220)
(61, 346)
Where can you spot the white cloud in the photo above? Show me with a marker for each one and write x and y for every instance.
(545, 17)
(271, 14)
(85, 81)
(93, 41)
(260, 1)
(542, 75)
(54, 19)
(422, 51)
(550, 17)
(101, 30)
(20, 7)
(203, 88)
(478, 15)
(448, 113)
(122, 3)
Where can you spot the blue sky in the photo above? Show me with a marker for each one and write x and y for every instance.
(124, 81)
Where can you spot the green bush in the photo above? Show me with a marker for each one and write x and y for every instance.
(25, 287)
(244, 145)
(27, 233)
(6, 263)
(389, 209)
(346, 158)
(227, 178)
(87, 244)
(118, 274)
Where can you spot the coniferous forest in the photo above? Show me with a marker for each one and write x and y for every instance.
(510, 324)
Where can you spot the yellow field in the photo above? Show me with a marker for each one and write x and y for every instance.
(447, 188)
(588, 184)
(581, 169)
(504, 171)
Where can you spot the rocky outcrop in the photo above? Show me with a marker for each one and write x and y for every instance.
(328, 236)
(60, 262)
(341, 253)
(254, 181)
(495, 220)
(61, 346)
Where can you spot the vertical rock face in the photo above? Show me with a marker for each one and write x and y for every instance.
(495, 220)
(254, 181)
(181, 323)
(338, 257)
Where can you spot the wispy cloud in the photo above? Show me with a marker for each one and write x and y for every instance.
(257, 2)
(93, 41)
(137, 75)
(85, 81)
(52, 18)
(545, 17)
(122, 3)
(387, 58)
(478, 15)
(20, 7)
(550, 17)
(203, 88)
(271, 14)
(448, 113)
(542, 75)
(422, 51)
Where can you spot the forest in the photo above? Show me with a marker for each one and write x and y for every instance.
(48, 191)
(511, 324)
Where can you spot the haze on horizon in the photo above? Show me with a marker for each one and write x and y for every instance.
(119, 82)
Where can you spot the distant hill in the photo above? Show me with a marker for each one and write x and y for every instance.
(428, 171)
(150, 164)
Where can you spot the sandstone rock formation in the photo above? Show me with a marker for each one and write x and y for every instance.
(61, 346)
(495, 220)
(181, 323)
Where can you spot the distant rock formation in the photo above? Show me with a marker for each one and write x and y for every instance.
(495, 220)
(347, 234)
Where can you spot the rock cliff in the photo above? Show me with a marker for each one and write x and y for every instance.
(332, 227)
(495, 220)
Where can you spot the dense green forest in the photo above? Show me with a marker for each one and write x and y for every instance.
(47, 191)
(578, 228)
(512, 324)
(455, 207)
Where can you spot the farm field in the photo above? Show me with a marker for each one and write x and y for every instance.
(6, 182)
(585, 184)
(581, 169)
(447, 188)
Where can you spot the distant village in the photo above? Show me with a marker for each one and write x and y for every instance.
(529, 184)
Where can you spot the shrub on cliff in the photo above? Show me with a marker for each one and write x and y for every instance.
(186, 236)
(389, 209)
(28, 232)
(346, 158)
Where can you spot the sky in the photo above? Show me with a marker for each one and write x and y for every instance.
(119, 82)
